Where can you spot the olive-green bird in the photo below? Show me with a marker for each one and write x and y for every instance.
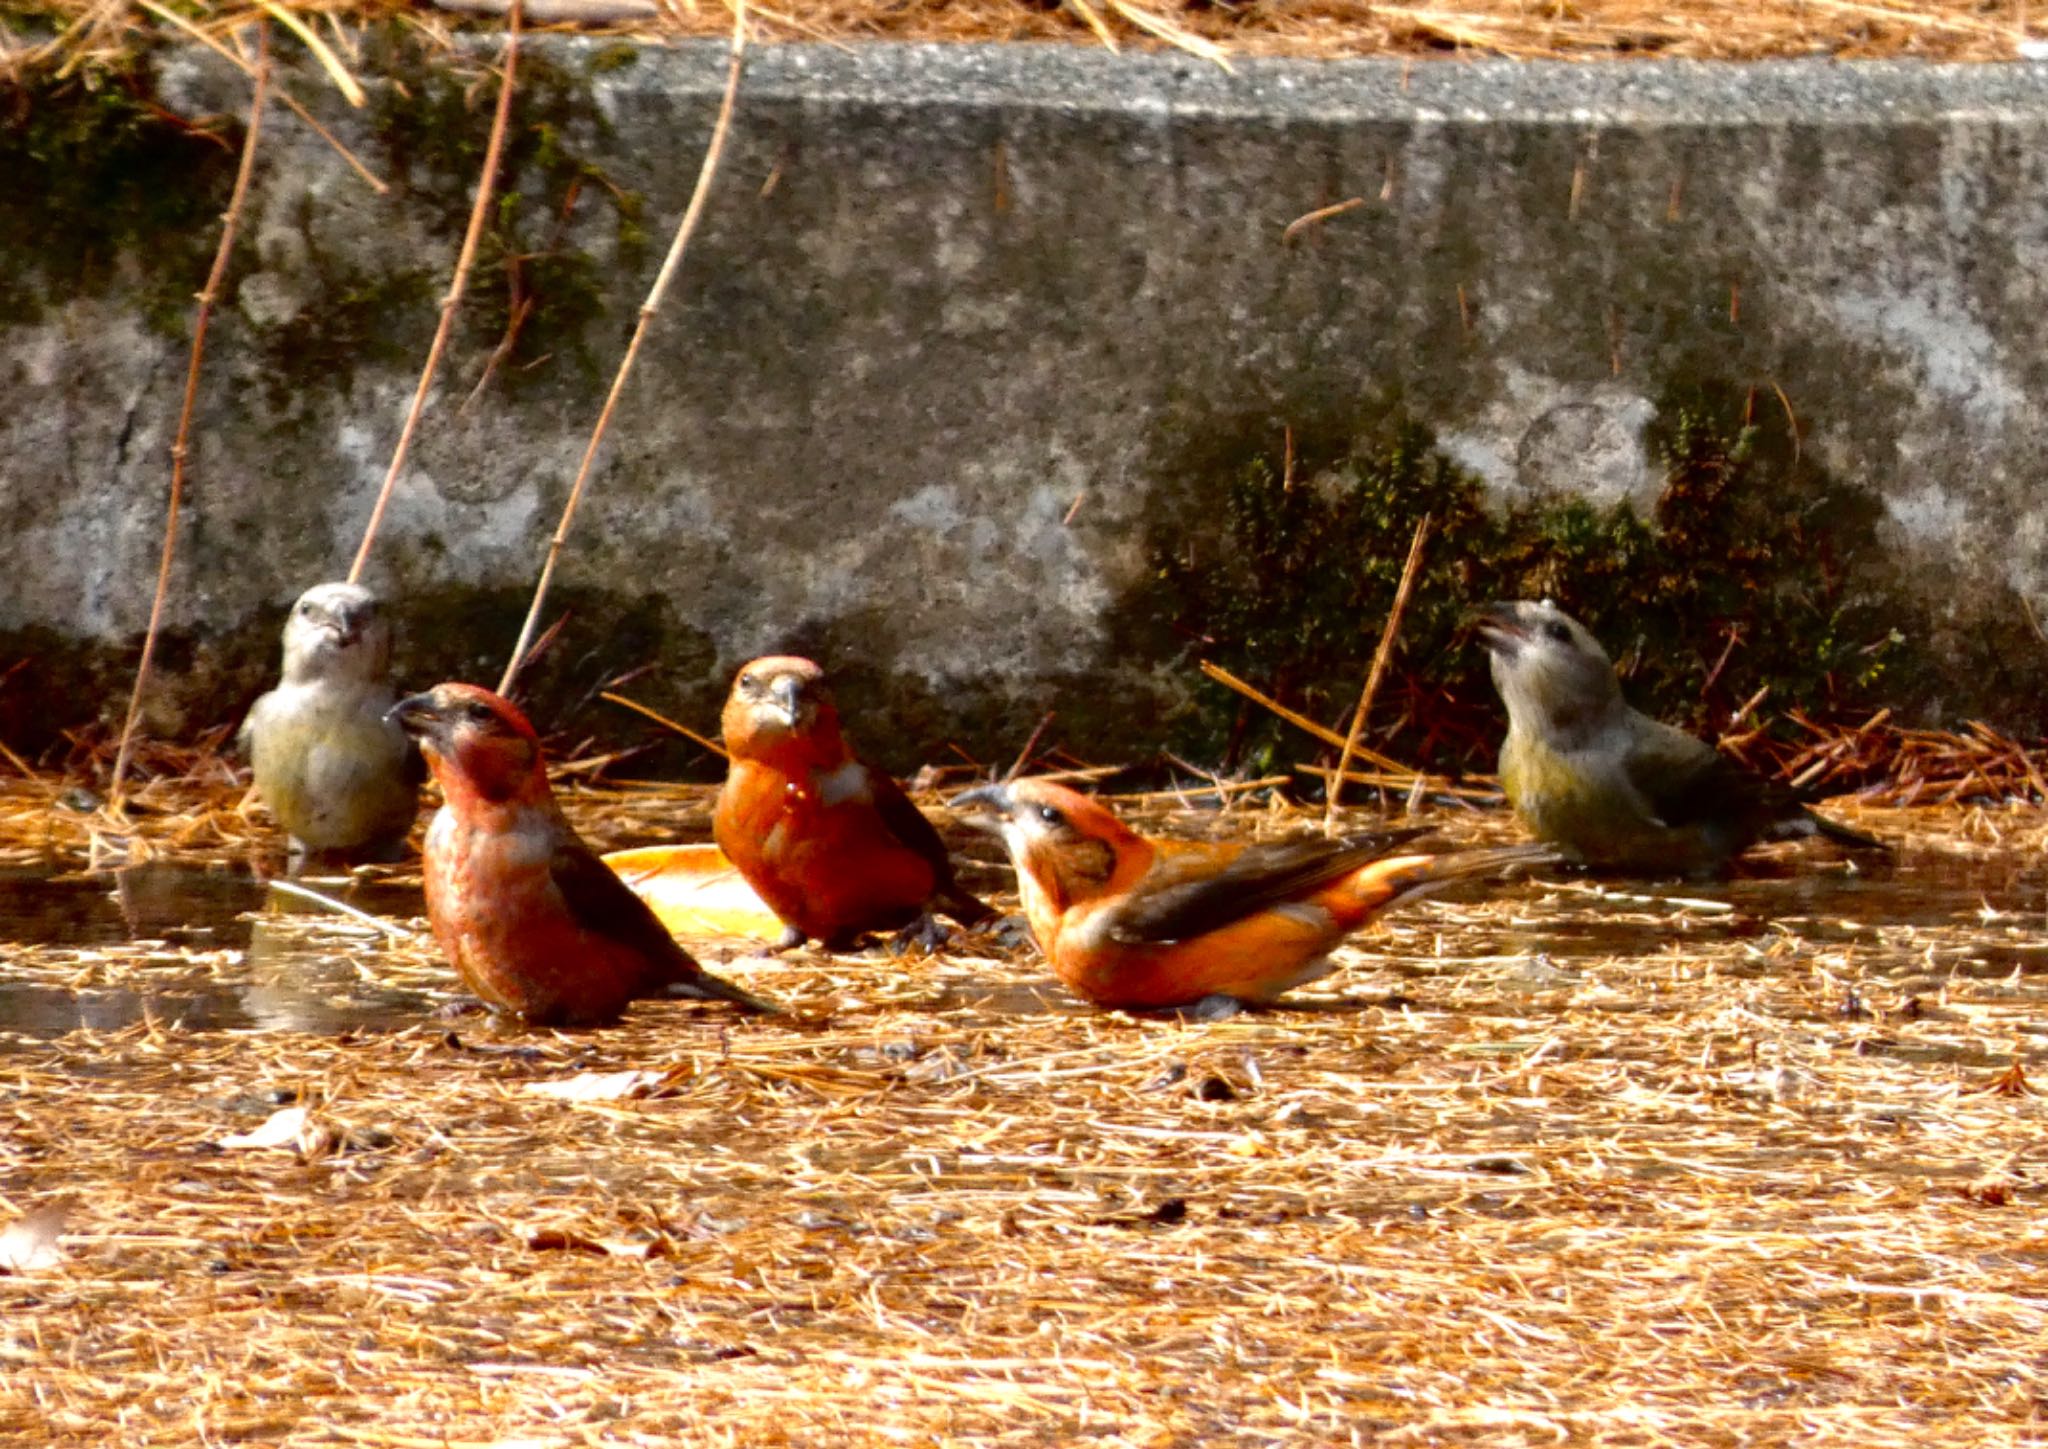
(339, 777)
(1604, 783)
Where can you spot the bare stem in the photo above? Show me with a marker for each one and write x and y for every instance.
(486, 185)
(691, 216)
(665, 722)
(1379, 667)
(1294, 717)
(181, 447)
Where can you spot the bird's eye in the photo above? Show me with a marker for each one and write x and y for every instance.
(747, 681)
(479, 711)
(305, 607)
(1050, 815)
(1560, 633)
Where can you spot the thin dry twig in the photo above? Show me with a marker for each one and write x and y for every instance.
(1380, 655)
(1030, 746)
(1299, 720)
(692, 214)
(344, 82)
(486, 186)
(285, 97)
(180, 448)
(1303, 222)
(1161, 27)
(664, 721)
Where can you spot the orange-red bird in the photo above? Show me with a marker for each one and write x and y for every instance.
(835, 848)
(1128, 921)
(533, 922)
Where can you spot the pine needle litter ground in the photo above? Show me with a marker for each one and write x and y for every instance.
(1952, 30)
(1738, 1163)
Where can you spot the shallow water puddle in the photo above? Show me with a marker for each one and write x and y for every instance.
(216, 949)
(198, 949)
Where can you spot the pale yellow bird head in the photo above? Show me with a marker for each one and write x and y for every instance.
(338, 633)
(1551, 673)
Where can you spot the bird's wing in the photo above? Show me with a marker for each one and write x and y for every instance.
(1686, 781)
(245, 733)
(1188, 895)
(908, 824)
(599, 901)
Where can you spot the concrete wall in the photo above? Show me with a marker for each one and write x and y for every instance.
(942, 294)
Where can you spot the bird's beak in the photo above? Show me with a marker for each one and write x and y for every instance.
(348, 624)
(786, 693)
(1499, 626)
(416, 714)
(992, 798)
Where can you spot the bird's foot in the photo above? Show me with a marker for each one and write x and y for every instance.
(925, 936)
(1214, 1008)
(789, 940)
(460, 1009)
(1001, 933)
(1011, 933)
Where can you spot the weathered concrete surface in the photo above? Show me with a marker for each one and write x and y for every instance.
(943, 294)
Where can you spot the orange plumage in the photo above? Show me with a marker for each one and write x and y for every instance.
(1133, 922)
(532, 921)
(834, 847)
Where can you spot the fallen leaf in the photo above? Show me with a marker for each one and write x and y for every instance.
(2012, 1082)
(567, 1240)
(29, 1243)
(602, 1086)
(282, 1129)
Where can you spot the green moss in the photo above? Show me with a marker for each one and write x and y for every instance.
(1733, 584)
(616, 56)
(529, 280)
(357, 319)
(99, 185)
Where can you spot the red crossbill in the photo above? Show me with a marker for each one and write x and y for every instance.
(834, 847)
(1606, 784)
(1128, 921)
(532, 921)
(337, 775)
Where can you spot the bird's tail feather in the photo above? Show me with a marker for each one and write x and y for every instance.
(1844, 835)
(706, 987)
(1432, 872)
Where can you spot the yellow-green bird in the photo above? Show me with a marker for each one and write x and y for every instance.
(337, 775)
(1605, 784)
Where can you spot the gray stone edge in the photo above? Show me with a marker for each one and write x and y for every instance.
(1083, 80)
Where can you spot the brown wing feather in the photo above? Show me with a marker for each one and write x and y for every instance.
(1259, 878)
(908, 824)
(601, 902)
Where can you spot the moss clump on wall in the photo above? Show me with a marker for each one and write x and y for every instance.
(100, 183)
(532, 282)
(1736, 582)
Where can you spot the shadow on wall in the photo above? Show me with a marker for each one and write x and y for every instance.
(1754, 571)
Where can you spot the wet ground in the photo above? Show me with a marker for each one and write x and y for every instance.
(1728, 1163)
(217, 948)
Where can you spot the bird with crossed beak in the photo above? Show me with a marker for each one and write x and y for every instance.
(1607, 785)
(340, 778)
(533, 922)
(834, 846)
(1129, 921)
